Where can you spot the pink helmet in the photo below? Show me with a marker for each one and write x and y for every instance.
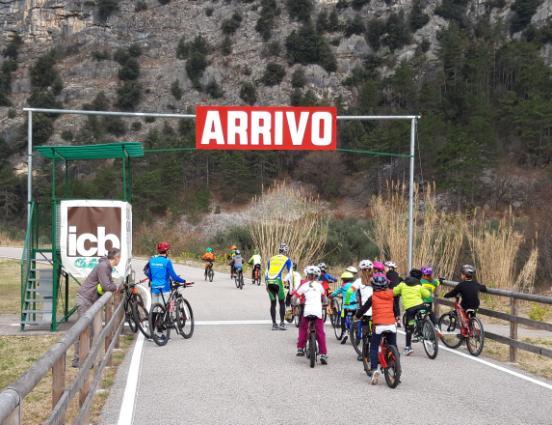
(378, 266)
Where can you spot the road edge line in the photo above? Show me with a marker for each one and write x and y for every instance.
(126, 413)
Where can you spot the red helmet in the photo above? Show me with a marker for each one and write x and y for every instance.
(163, 247)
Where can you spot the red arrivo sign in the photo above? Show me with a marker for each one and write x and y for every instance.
(265, 128)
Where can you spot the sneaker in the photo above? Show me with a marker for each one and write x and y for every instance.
(282, 326)
(75, 364)
(300, 352)
(274, 327)
(344, 340)
(375, 376)
(370, 373)
(408, 351)
(359, 358)
(323, 359)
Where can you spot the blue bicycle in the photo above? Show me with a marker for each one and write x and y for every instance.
(356, 331)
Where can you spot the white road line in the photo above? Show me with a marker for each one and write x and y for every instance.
(126, 414)
(494, 366)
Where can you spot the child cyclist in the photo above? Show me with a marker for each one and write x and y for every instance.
(383, 319)
(209, 258)
(432, 285)
(412, 295)
(468, 288)
(315, 296)
(350, 304)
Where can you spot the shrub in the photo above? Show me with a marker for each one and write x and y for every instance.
(176, 90)
(182, 49)
(43, 128)
(195, 66)
(300, 10)
(129, 95)
(295, 97)
(274, 74)
(106, 8)
(67, 135)
(342, 4)
(355, 26)
(12, 113)
(298, 78)
(523, 12)
(272, 49)
(537, 312)
(346, 242)
(12, 49)
(130, 70)
(307, 46)
(417, 18)
(214, 90)
(453, 10)
(135, 50)
(376, 29)
(248, 93)
(100, 55)
(397, 33)
(43, 74)
(322, 24)
(359, 4)
(115, 126)
(230, 26)
(226, 46)
(266, 19)
(333, 21)
(136, 126)
(140, 6)
(209, 11)
(164, 1)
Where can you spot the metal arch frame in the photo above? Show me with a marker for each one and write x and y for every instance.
(412, 118)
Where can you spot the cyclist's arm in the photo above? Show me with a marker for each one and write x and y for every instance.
(424, 292)
(482, 288)
(453, 292)
(172, 273)
(348, 294)
(147, 270)
(330, 278)
(397, 289)
(337, 292)
(360, 312)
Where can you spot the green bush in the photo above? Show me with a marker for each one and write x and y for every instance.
(129, 95)
(354, 26)
(176, 90)
(274, 74)
(115, 126)
(43, 128)
(347, 242)
(307, 46)
(226, 46)
(376, 28)
(453, 10)
(397, 31)
(43, 73)
(135, 50)
(136, 126)
(140, 6)
(100, 55)
(538, 313)
(298, 79)
(12, 49)
(237, 235)
(209, 11)
(195, 66)
(231, 25)
(248, 93)
(300, 10)
(12, 113)
(272, 49)
(333, 21)
(523, 12)
(322, 24)
(182, 49)
(214, 90)
(130, 70)
(265, 22)
(359, 4)
(164, 1)
(106, 8)
(417, 18)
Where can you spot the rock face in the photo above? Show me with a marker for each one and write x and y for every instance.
(75, 25)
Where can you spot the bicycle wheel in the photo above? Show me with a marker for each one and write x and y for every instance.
(297, 316)
(312, 349)
(211, 274)
(129, 316)
(366, 355)
(392, 372)
(356, 337)
(237, 281)
(184, 317)
(429, 338)
(476, 337)
(240, 277)
(448, 322)
(338, 331)
(160, 332)
(141, 316)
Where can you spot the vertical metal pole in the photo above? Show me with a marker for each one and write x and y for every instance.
(29, 166)
(125, 197)
(411, 193)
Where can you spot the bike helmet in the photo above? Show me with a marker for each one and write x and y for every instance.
(322, 266)
(238, 252)
(427, 270)
(284, 249)
(468, 270)
(365, 265)
(391, 265)
(352, 269)
(209, 249)
(163, 247)
(317, 271)
(416, 273)
(379, 282)
(378, 266)
(233, 247)
(347, 276)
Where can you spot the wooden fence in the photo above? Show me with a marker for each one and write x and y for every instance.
(98, 331)
(512, 318)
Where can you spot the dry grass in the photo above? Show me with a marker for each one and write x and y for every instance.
(10, 287)
(7, 239)
(290, 215)
(438, 235)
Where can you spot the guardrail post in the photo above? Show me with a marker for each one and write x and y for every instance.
(84, 348)
(513, 328)
(58, 379)
(117, 297)
(109, 336)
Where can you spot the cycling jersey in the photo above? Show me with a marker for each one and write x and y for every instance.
(294, 280)
(275, 267)
(469, 290)
(237, 261)
(313, 292)
(325, 276)
(382, 306)
(255, 260)
(160, 271)
(208, 256)
(352, 304)
(365, 291)
(430, 285)
(411, 291)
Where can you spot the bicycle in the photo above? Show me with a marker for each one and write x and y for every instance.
(423, 330)
(176, 312)
(389, 360)
(360, 338)
(135, 310)
(469, 326)
(238, 277)
(312, 345)
(257, 275)
(209, 272)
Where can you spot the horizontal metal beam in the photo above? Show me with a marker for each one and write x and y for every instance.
(163, 115)
(510, 294)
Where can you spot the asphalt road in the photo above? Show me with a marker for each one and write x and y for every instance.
(248, 374)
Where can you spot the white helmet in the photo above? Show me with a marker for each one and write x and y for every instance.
(309, 270)
(365, 265)
(284, 249)
(317, 271)
(352, 269)
(322, 266)
(391, 265)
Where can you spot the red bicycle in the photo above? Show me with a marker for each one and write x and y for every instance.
(465, 326)
(257, 275)
(389, 360)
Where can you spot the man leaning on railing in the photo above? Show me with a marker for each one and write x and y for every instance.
(95, 285)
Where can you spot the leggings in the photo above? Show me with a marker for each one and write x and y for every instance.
(273, 310)
(410, 314)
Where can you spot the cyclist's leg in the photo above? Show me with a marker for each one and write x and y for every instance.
(272, 297)
(281, 300)
(410, 314)
(321, 336)
(374, 347)
(303, 330)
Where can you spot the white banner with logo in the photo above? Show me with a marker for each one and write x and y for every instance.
(89, 228)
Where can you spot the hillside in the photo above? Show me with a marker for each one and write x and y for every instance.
(478, 72)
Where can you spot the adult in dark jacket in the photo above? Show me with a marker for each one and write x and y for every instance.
(98, 282)
(394, 279)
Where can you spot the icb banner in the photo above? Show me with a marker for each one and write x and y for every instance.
(89, 228)
(265, 128)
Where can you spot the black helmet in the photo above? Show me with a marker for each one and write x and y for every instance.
(379, 282)
(416, 273)
(468, 270)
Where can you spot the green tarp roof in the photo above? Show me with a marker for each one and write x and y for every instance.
(103, 151)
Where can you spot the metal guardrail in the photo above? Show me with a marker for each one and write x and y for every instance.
(513, 318)
(108, 310)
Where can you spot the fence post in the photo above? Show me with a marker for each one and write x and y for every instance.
(513, 328)
(84, 348)
(109, 336)
(58, 379)
(117, 297)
